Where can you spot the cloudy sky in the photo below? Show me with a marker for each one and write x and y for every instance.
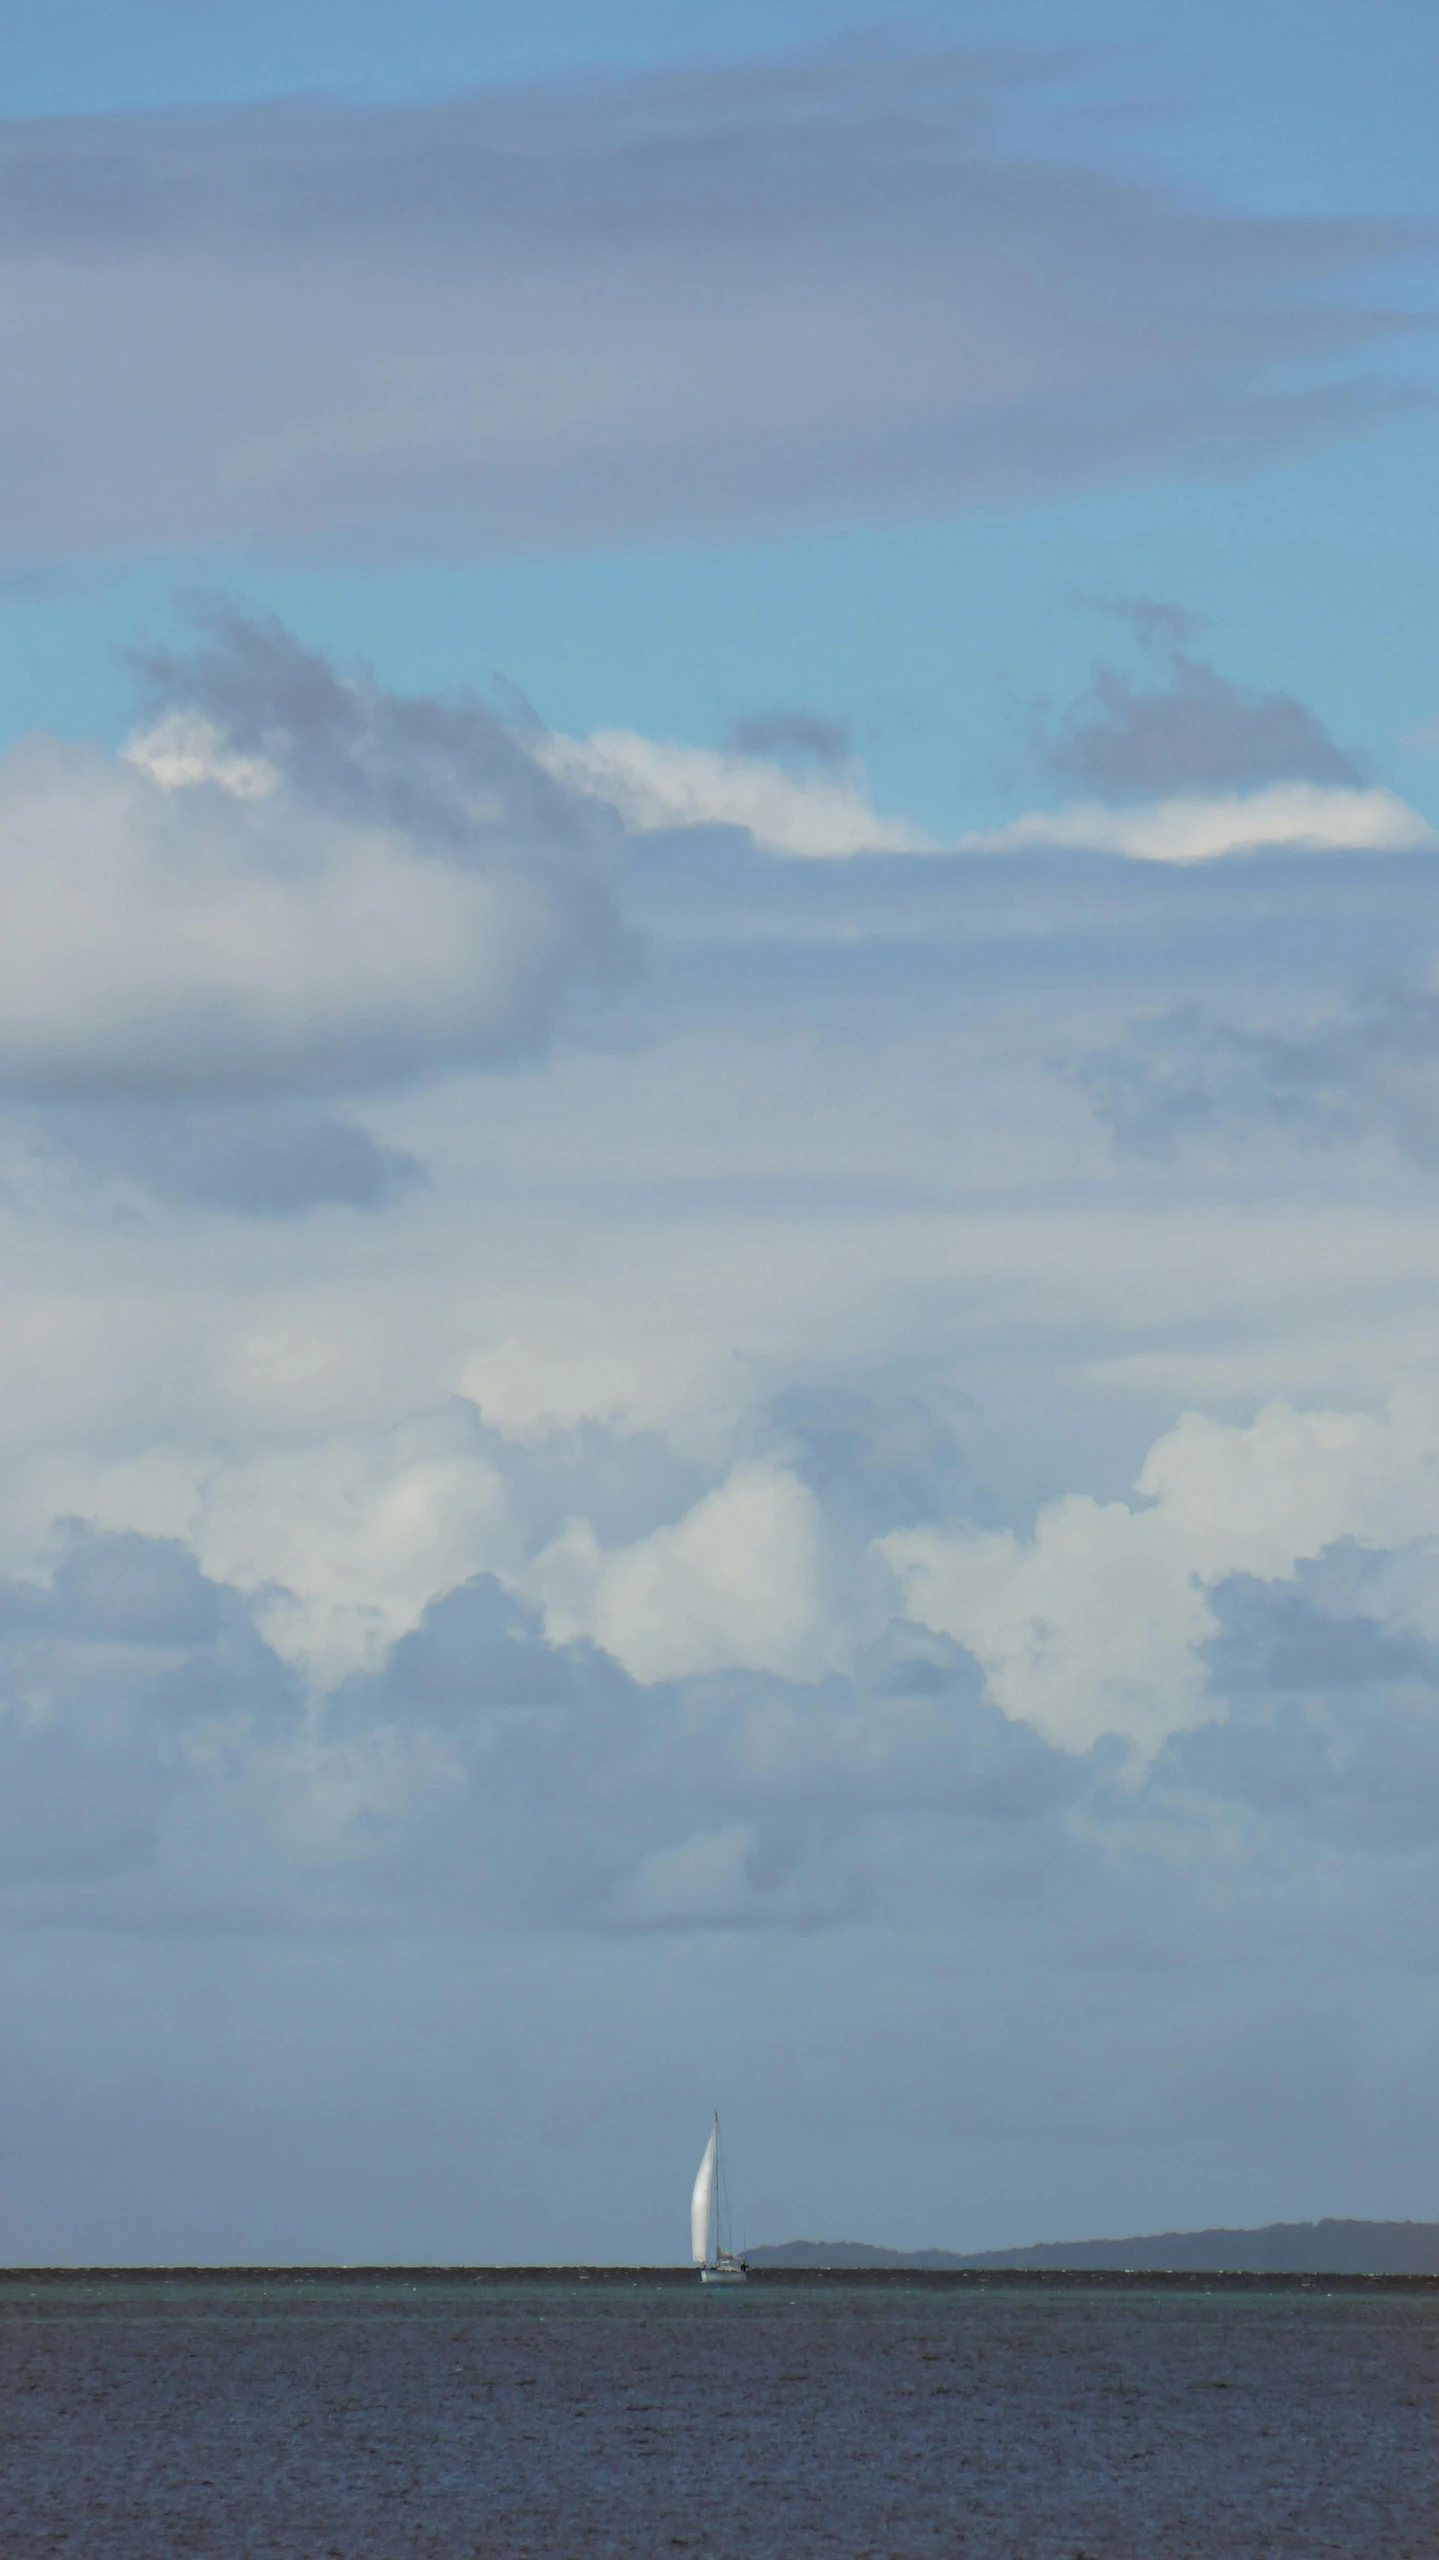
(719, 1122)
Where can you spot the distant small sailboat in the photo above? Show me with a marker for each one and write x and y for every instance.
(709, 2221)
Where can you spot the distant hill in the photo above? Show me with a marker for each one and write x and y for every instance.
(1279, 2248)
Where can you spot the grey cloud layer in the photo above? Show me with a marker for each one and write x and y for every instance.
(481, 1770)
(605, 312)
(523, 1894)
(155, 1753)
(321, 890)
(125, 1682)
(256, 1160)
(1330, 1714)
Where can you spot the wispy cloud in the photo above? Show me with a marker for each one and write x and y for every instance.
(610, 310)
(655, 784)
(799, 734)
(1303, 816)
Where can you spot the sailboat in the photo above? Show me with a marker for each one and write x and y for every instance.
(709, 2221)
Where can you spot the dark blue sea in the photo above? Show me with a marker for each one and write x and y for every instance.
(473, 2417)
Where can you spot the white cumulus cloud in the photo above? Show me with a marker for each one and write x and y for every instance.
(339, 1540)
(740, 1582)
(182, 917)
(344, 1542)
(654, 783)
(1305, 816)
(1095, 1624)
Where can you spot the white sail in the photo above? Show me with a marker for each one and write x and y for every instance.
(700, 2202)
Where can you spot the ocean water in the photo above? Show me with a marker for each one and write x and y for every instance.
(463, 2417)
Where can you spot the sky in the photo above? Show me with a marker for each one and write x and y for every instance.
(719, 1124)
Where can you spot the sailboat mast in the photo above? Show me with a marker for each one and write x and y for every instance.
(710, 2241)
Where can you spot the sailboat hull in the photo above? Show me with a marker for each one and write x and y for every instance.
(722, 2275)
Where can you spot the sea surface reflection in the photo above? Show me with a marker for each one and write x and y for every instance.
(451, 2416)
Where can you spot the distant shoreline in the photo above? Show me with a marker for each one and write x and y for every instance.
(1329, 2247)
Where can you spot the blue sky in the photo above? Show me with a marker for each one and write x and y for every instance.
(719, 1098)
